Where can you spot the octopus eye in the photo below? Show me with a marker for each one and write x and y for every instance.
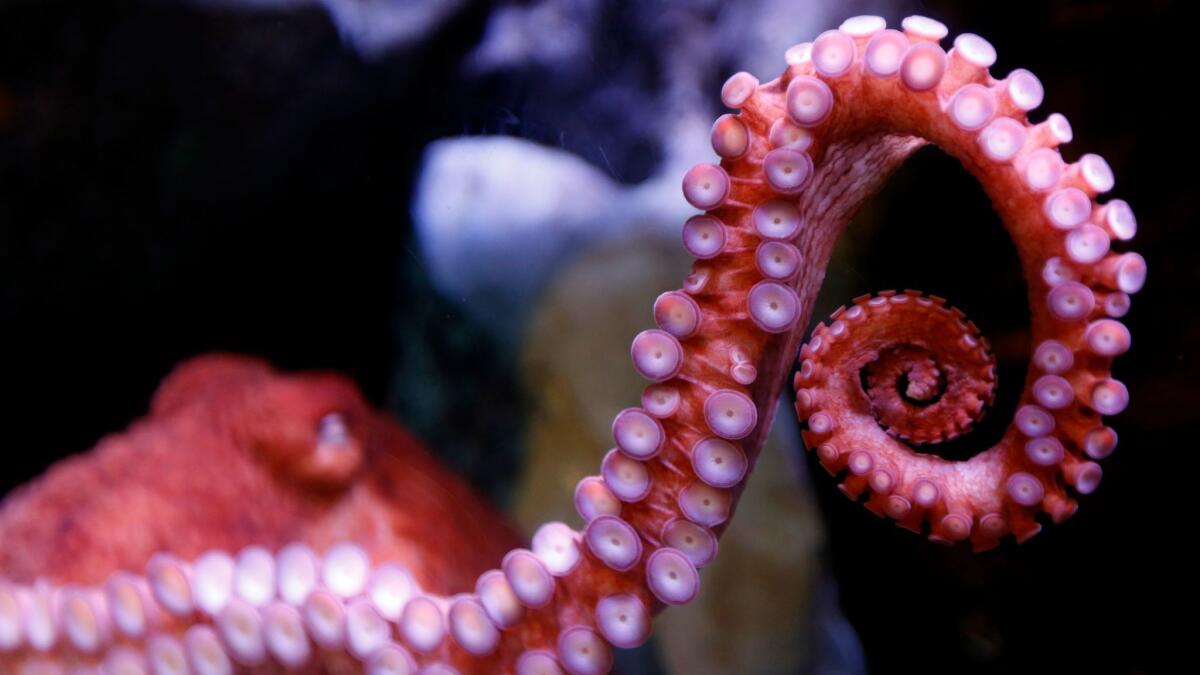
(328, 454)
(332, 431)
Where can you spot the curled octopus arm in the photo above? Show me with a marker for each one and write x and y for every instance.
(799, 157)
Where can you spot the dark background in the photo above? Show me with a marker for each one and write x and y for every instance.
(175, 181)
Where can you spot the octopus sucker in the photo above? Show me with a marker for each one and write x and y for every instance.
(328, 541)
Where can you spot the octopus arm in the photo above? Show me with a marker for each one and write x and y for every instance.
(798, 158)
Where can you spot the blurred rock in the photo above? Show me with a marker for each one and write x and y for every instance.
(496, 216)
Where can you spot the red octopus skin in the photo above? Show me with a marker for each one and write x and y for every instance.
(798, 159)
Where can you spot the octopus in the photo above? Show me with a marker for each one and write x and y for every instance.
(263, 522)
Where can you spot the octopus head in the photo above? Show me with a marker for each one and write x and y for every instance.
(311, 429)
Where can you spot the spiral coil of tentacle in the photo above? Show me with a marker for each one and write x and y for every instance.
(798, 159)
(906, 341)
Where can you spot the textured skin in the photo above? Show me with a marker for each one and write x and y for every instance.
(726, 347)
